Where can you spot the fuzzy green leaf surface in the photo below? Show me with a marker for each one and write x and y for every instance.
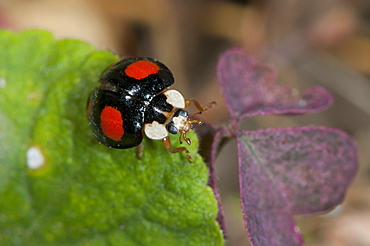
(81, 192)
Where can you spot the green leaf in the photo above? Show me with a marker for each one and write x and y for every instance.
(79, 192)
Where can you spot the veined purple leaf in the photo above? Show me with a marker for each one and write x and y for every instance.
(288, 171)
(249, 89)
(266, 215)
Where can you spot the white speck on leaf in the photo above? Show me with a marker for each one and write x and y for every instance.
(35, 158)
(32, 96)
(2, 82)
(302, 103)
(296, 229)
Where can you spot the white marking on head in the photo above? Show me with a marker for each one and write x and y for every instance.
(181, 123)
(155, 130)
(35, 158)
(175, 98)
(2, 82)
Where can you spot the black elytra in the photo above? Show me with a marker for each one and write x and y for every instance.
(133, 100)
(143, 89)
(127, 99)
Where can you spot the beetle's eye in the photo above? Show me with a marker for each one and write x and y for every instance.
(172, 128)
(182, 113)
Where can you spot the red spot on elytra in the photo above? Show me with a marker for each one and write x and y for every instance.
(141, 69)
(112, 123)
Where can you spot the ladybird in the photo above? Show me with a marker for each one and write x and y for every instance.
(134, 100)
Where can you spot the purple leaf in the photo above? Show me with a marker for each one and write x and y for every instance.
(292, 170)
(249, 89)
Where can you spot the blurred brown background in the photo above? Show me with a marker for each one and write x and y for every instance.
(317, 42)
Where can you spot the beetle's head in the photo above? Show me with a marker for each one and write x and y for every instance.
(182, 123)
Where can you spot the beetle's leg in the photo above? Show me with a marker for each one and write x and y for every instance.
(197, 104)
(167, 144)
(180, 136)
(183, 136)
(186, 139)
(139, 151)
